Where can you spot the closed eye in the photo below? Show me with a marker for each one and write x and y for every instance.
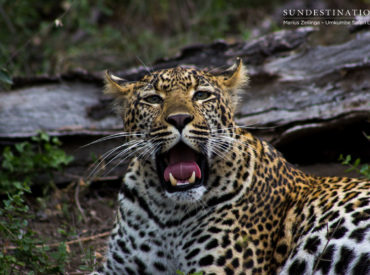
(201, 95)
(153, 99)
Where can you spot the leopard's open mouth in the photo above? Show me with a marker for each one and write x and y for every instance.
(181, 168)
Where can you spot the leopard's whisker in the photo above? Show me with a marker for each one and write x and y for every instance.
(138, 146)
(141, 145)
(145, 66)
(221, 142)
(231, 139)
(128, 156)
(250, 126)
(131, 144)
(222, 154)
(217, 68)
(218, 144)
(113, 136)
(146, 150)
(103, 158)
(218, 149)
(149, 152)
(128, 152)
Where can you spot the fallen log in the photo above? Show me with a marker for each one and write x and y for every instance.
(312, 102)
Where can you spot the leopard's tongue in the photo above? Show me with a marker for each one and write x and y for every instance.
(182, 171)
(182, 164)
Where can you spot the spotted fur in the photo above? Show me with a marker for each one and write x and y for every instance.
(255, 214)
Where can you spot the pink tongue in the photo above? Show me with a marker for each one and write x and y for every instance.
(182, 163)
(182, 170)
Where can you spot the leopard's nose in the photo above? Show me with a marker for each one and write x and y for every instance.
(179, 120)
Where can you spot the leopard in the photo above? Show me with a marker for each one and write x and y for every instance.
(202, 195)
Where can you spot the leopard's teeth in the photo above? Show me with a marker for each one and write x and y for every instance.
(173, 180)
(192, 178)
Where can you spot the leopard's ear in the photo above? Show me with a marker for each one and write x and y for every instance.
(120, 89)
(235, 77)
(116, 86)
(233, 80)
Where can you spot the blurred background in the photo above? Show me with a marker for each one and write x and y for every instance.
(51, 37)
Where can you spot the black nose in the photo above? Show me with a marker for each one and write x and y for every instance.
(179, 120)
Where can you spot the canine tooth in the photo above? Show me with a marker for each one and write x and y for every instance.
(173, 180)
(192, 178)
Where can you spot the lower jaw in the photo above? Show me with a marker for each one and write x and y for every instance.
(180, 188)
(189, 197)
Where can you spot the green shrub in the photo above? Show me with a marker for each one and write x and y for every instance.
(26, 160)
(39, 37)
(22, 252)
(355, 165)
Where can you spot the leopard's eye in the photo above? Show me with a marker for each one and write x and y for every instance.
(201, 95)
(153, 99)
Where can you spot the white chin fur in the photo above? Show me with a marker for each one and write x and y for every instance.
(187, 197)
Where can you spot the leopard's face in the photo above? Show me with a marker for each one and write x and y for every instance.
(179, 120)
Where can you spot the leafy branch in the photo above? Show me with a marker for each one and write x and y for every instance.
(355, 165)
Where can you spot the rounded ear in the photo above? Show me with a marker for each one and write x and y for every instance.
(233, 80)
(236, 76)
(120, 89)
(116, 86)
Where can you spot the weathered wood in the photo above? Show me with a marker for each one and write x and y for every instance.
(296, 91)
(311, 88)
(59, 109)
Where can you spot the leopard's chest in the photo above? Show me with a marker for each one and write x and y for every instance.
(161, 241)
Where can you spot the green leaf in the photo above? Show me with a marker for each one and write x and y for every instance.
(56, 141)
(340, 157)
(357, 162)
(347, 159)
(44, 136)
(5, 77)
(365, 170)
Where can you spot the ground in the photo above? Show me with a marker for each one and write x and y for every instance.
(83, 225)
